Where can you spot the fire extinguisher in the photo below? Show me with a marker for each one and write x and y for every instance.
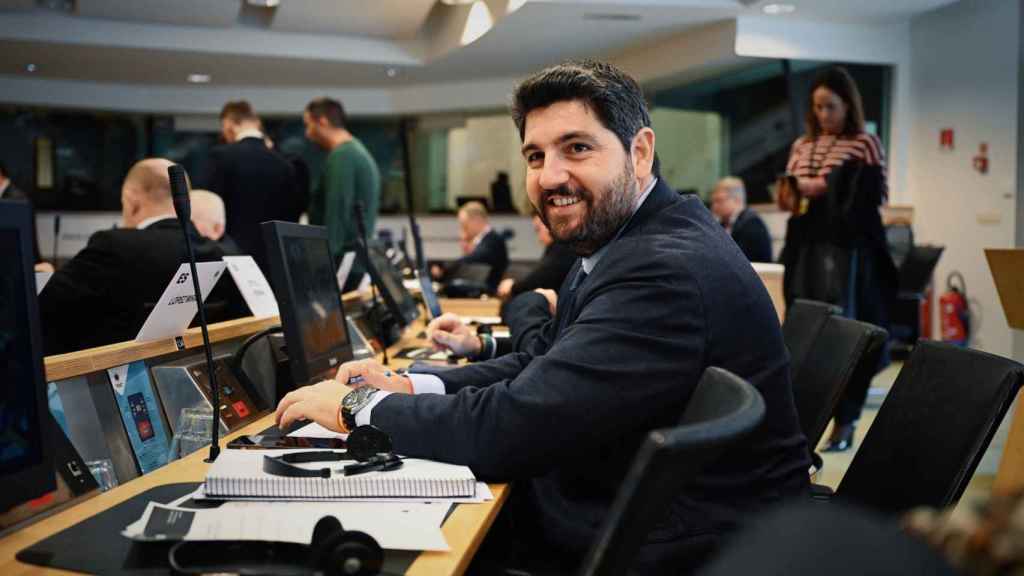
(954, 315)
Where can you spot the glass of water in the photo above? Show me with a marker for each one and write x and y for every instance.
(103, 471)
(192, 432)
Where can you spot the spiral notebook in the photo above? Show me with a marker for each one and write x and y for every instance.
(239, 474)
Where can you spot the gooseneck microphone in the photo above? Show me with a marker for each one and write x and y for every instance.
(364, 242)
(183, 209)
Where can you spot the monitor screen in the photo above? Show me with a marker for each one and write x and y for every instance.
(389, 281)
(306, 287)
(26, 465)
(429, 296)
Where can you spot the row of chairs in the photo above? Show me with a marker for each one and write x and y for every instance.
(922, 449)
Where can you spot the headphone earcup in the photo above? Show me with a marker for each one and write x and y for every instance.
(351, 554)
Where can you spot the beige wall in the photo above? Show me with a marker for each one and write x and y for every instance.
(478, 151)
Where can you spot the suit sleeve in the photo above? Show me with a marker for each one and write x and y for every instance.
(584, 388)
(75, 290)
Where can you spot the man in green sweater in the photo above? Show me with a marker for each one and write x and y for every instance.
(349, 176)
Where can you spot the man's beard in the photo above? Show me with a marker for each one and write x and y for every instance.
(603, 219)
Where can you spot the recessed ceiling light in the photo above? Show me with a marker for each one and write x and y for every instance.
(263, 3)
(199, 78)
(478, 22)
(514, 5)
(391, 72)
(457, 2)
(778, 9)
(30, 68)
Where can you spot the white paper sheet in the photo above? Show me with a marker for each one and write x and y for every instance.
(345, 268)
(395, 526)
(41, 279)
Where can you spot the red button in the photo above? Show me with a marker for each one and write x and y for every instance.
(241, 409)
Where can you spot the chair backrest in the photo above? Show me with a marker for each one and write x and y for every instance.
(723, 409)
(842, 349)
(804, 321)
(932, 429)
(900, 238)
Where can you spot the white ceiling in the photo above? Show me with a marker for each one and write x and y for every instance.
(355, 43)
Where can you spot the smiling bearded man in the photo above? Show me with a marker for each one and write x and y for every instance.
(660, 294)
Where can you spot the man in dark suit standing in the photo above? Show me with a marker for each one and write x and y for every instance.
(659, 294)
(101, 295)
(729, 203)
(480, 244)
(256, 183)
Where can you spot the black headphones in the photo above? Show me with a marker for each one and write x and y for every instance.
(333, 552)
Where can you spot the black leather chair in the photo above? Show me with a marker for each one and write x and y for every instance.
(722, 411)
(841, 349)
(804, 321)
(839, 540)
(932, 429)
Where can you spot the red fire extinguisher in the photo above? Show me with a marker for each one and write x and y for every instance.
(954, 316)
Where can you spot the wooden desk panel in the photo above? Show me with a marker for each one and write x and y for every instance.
(464, 529)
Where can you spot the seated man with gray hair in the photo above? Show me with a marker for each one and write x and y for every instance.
(729, 204)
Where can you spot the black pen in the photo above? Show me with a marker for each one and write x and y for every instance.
(393, 463)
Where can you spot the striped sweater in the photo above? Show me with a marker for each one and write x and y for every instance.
(811, 160)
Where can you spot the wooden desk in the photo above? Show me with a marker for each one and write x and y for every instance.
(464, 529)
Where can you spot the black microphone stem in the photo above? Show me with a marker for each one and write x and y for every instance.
(214, 388)
(183, 209)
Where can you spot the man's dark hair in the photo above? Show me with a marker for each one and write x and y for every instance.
(607, 91)
(328, 108)
(238, 111)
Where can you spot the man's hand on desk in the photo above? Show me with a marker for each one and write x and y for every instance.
(320, 402)
(447, 332)
(505, 288)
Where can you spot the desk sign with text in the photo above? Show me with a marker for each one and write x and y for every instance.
(253, 285)
(176, 307)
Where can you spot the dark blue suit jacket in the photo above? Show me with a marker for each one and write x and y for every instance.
(670, 296)
(751, 235)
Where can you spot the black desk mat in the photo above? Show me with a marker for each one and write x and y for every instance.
(95, 545)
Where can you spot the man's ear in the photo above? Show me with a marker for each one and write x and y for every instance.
(643, 153)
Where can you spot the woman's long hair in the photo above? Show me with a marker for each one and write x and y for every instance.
(839, 81)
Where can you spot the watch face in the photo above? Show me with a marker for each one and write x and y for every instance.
(357, 398)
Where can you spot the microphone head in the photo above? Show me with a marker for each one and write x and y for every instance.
(179, 192)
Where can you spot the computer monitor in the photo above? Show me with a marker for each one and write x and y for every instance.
(26, 460)
(389, 281)
(429, 296)
(303, 278)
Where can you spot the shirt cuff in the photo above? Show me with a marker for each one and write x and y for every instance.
(363, 416)
(426, 384)
(421, 384)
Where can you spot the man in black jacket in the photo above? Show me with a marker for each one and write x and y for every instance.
(729, 204)
(481, 245)
(100, 296)
(549, 273)
(256, 183)
(659, 294)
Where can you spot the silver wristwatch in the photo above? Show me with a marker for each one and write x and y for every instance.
(353, 402)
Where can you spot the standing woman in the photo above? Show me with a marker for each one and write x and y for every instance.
(835, 242)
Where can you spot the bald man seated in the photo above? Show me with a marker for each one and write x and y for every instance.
(104, 294)
(210, 219)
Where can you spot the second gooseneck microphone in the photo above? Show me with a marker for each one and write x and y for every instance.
(183, 209)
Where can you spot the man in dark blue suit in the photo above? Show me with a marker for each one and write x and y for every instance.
(729, 204)
(660, 293)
